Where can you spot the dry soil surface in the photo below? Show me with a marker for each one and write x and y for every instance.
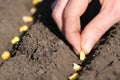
(44, 54)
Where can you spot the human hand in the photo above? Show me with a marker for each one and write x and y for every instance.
(67, 13)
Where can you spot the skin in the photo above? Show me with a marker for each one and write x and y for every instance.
(66, 14)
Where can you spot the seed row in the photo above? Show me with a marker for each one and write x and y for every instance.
(26, 19)
(77, 68)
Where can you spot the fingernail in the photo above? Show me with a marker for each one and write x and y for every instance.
(77, 52)
(87, 46)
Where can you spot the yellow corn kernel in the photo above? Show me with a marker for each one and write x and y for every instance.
(33, 10)
(27, 19)
(82, 56)
(74, 76)
(23, 28)
(15, 40)
(76, 67)
(35, 2)
(5, 55)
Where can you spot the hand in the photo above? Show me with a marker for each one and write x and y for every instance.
(67, 13)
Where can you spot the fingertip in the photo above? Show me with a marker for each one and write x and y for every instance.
(87, 46)
(74, 40)
(77, 51)
(75, 43)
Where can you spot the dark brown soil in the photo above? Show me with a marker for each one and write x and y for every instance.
(44, 54)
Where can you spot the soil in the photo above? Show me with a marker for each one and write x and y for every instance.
(44, 54)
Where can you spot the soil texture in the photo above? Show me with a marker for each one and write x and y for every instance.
(44, 54)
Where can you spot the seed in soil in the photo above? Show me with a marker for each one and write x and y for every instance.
(15, 40)
(5, 55)
(77, 67)
(33, 10)
(35, 2)
(82, 56)
(23, 28)
(74, 76)
(27, 19)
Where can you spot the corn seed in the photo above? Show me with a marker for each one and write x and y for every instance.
(33, 10)
(27, 19)
(35, 2)
(82, 56)
(74, 76)
(76, 67)
(5, 55)
(15, 40)
(23, 28)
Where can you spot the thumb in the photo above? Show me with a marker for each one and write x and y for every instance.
(96, 28)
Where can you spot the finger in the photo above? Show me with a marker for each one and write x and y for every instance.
(96, 28)
(71, 17)
(59, 6)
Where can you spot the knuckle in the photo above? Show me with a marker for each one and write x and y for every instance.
(68, 14)
(55, 15)
(114, 8)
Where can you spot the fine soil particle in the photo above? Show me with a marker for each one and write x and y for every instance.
(43, 53)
